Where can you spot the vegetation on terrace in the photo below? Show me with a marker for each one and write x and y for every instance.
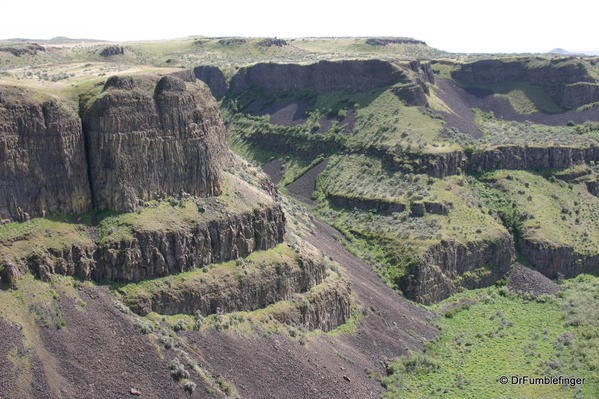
(543, 209)
(19, 240)
(494, 333)
(392, 242)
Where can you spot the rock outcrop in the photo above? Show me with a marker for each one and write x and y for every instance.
(158, 253)
(448, 266)
(26, 49)
(375, 41)
(556, 260)
(567, 80)
(424, 71)
(145, 253)
(420, 208)
(411, 93)
(379, 204)
(324, 307)
(214, 78)
(440, 164)
(151, 137)
(112, 50)
(593, 187)
(269, 42)
(349, 76)
(43, 166)
(528, 157)
(244, 287)
(534, 70)
(576, 94)
(384, 205)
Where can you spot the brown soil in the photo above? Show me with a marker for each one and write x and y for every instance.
(275, 170)
(462, 117)
(275, 366)
(523, 279)
(99, 354)
(286, 113)
(303, 187)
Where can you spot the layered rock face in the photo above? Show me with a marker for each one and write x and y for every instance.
(42, 157)
(554, 260)
(517, 157)
(161, 253)
(381, 205)
(240, 289)
(567, 80)
(151, 137)
(214, 78)
(349, 76)
(155, 253)
(448, 266)
(440, 164)
(576, 94)
(325, 307)
(552, 71)
(26, 49)
(112, 50)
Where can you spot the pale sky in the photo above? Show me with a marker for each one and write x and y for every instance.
(452, 25)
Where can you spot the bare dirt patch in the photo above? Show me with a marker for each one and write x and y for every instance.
(524, 279)
(344, 365)
(303, 187)
(285, 113)
(274, 169)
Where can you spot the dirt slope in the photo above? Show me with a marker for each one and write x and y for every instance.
(329, 366)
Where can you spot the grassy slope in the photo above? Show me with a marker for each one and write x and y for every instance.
(384, 121)
(500, 132)
(549, 211)
(507, 334)
(526, 98)
(361, 176)
(392, 241)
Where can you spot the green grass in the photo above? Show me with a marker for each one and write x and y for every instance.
(362, 176)
(386, 123)
(443, 71)
(502, 333)
(174, 214)
(393, 242)
(20, 240)
(501, 132)
(224, 273)
(526, 98)
(545, 210)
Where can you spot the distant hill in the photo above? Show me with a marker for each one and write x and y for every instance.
(54, 40)
(561, 51)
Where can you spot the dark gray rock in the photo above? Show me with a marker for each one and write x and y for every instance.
(214, 78)
(449, 266)
(43, 168)
(350, 76)
(152, 137)
(112, 51)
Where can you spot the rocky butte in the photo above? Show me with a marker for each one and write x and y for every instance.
(150, 137)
